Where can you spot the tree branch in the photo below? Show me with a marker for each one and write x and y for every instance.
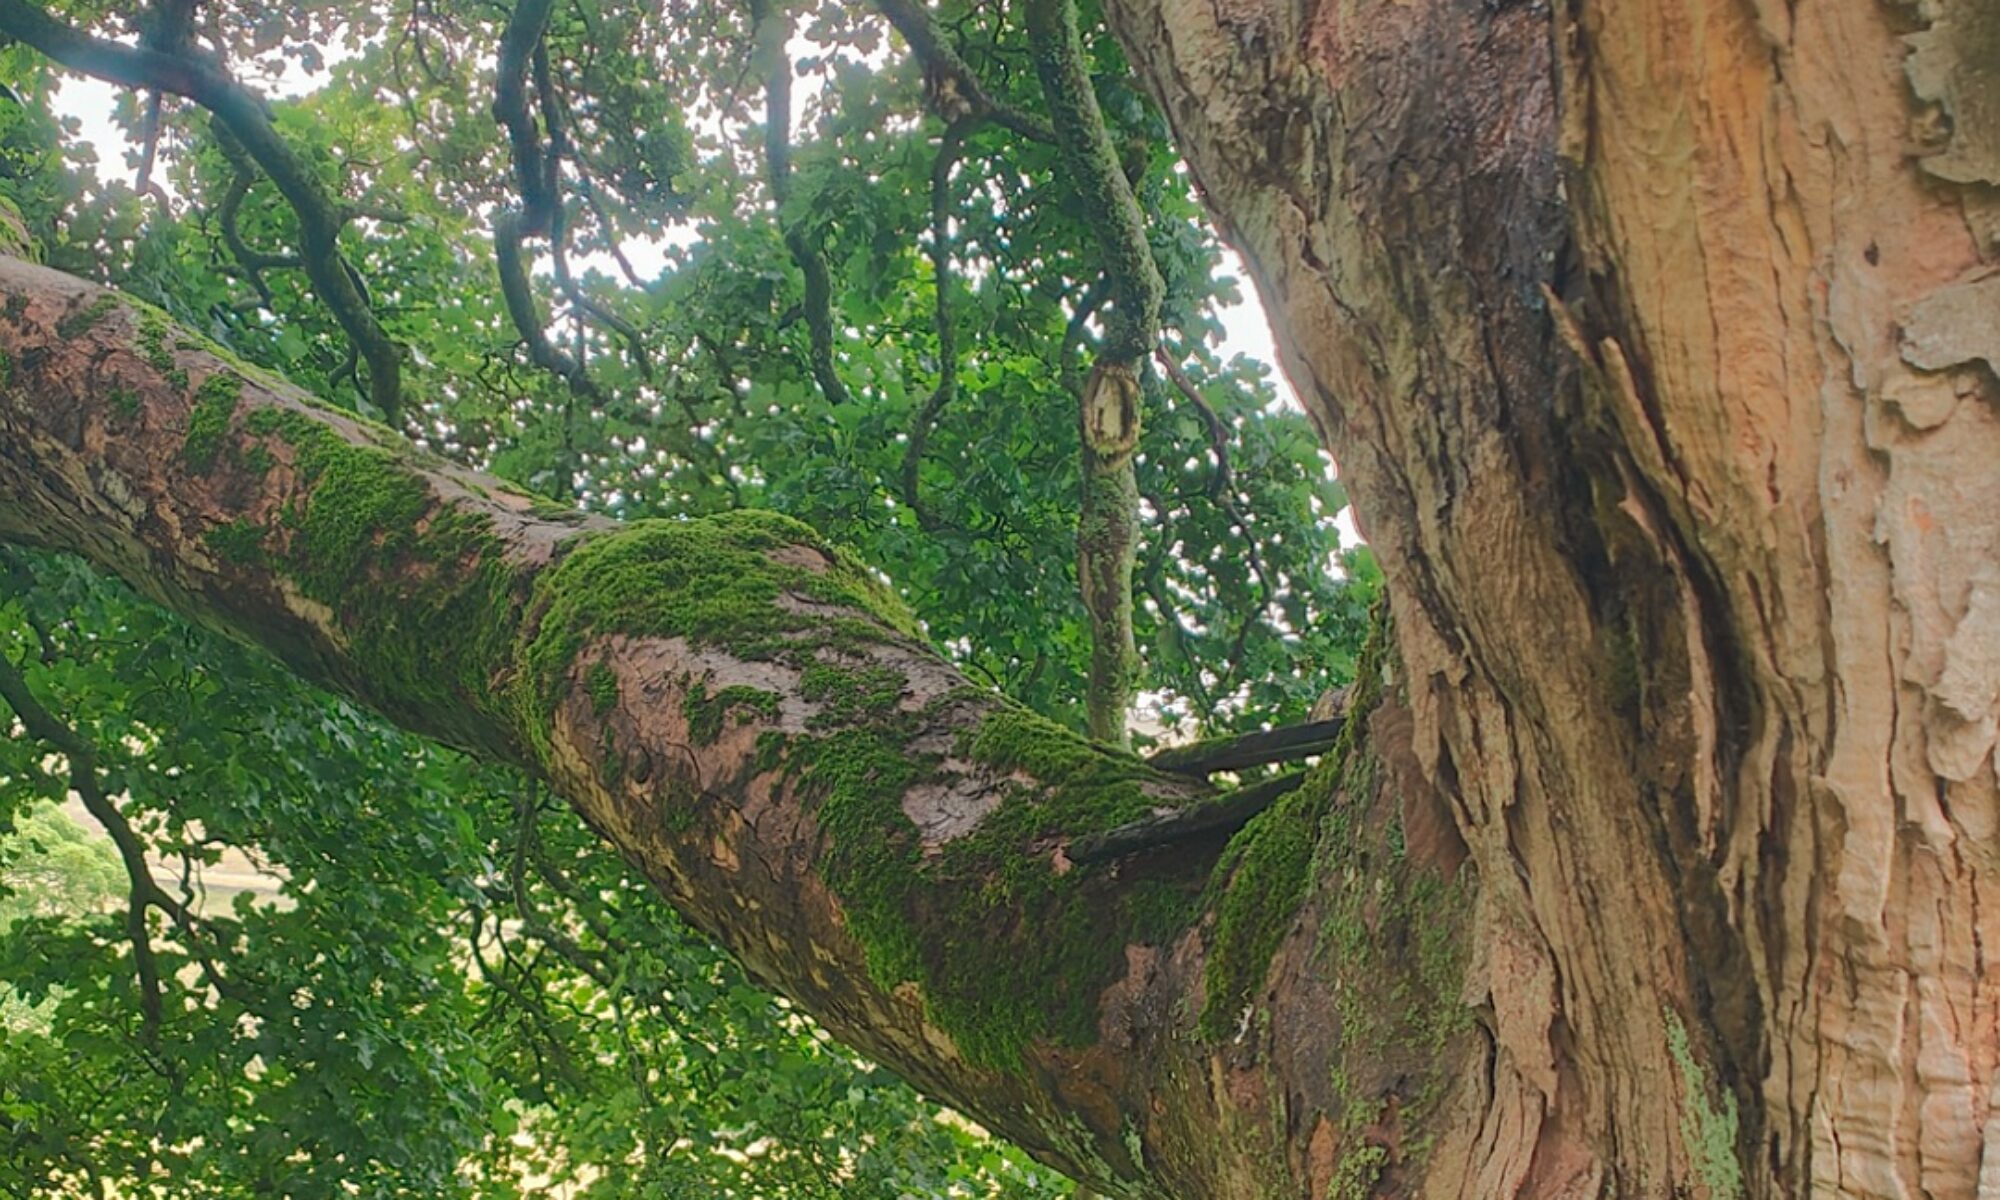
(773, 28)
(949, 149)
(862, 826)
(955, 89)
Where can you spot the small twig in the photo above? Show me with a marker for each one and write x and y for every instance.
(1238, 751)
(1223, 815)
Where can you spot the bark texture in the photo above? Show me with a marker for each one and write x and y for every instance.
(1656, 341)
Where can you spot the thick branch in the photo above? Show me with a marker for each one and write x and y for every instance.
(741, 709)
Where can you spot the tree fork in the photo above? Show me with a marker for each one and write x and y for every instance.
(745, 714)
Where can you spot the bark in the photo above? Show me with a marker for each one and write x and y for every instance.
(1655, 341)
(749, 718)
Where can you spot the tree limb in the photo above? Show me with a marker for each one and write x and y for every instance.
(824, 833)
(949, 149)
(944, 67)
(773, 27)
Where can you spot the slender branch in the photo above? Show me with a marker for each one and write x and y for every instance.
(949, 149)
(1220, 485)
(956, 91)
(1221, 816)
(81, 757)
(537, 151)
(1236, 752)
(773, 30)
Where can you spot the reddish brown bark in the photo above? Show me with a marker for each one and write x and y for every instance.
(1655, 342)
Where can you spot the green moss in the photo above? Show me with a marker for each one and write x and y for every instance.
(422, 589)
(707, 714)
(239, 541)
(208, 424)
(719, 580)
(1708, 1134)
(603, 686)
(259, 460)
(1031, 948)
(6, 368)
(155, 331)
(1265, 871)
(83, 320)
(124, 401)
(849, 694)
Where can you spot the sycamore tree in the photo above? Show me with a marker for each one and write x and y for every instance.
(1651, 853)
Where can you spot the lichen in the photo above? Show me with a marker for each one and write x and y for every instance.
(1708, 1134)
(208, 423)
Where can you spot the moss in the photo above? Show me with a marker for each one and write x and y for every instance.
(124, 401)
(6, 368)
(1265, 871)
(1708, 1134)
(423, 590)
(850, 694)
(258, 460)
(770, 753)
(707, 714)
(240, 542)
(208, 424)
(603, 686)
(155, 329)
(1030, 948)
(718, 581)
(83, 320)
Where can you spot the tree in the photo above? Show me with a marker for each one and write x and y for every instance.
(1659, 366)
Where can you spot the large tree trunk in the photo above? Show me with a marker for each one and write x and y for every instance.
(1656, 344)
(1653, 341)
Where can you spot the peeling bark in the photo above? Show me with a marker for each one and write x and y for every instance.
(1661, 370)
(1656, 344)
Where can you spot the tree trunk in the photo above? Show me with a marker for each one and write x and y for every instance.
(1654, 342)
